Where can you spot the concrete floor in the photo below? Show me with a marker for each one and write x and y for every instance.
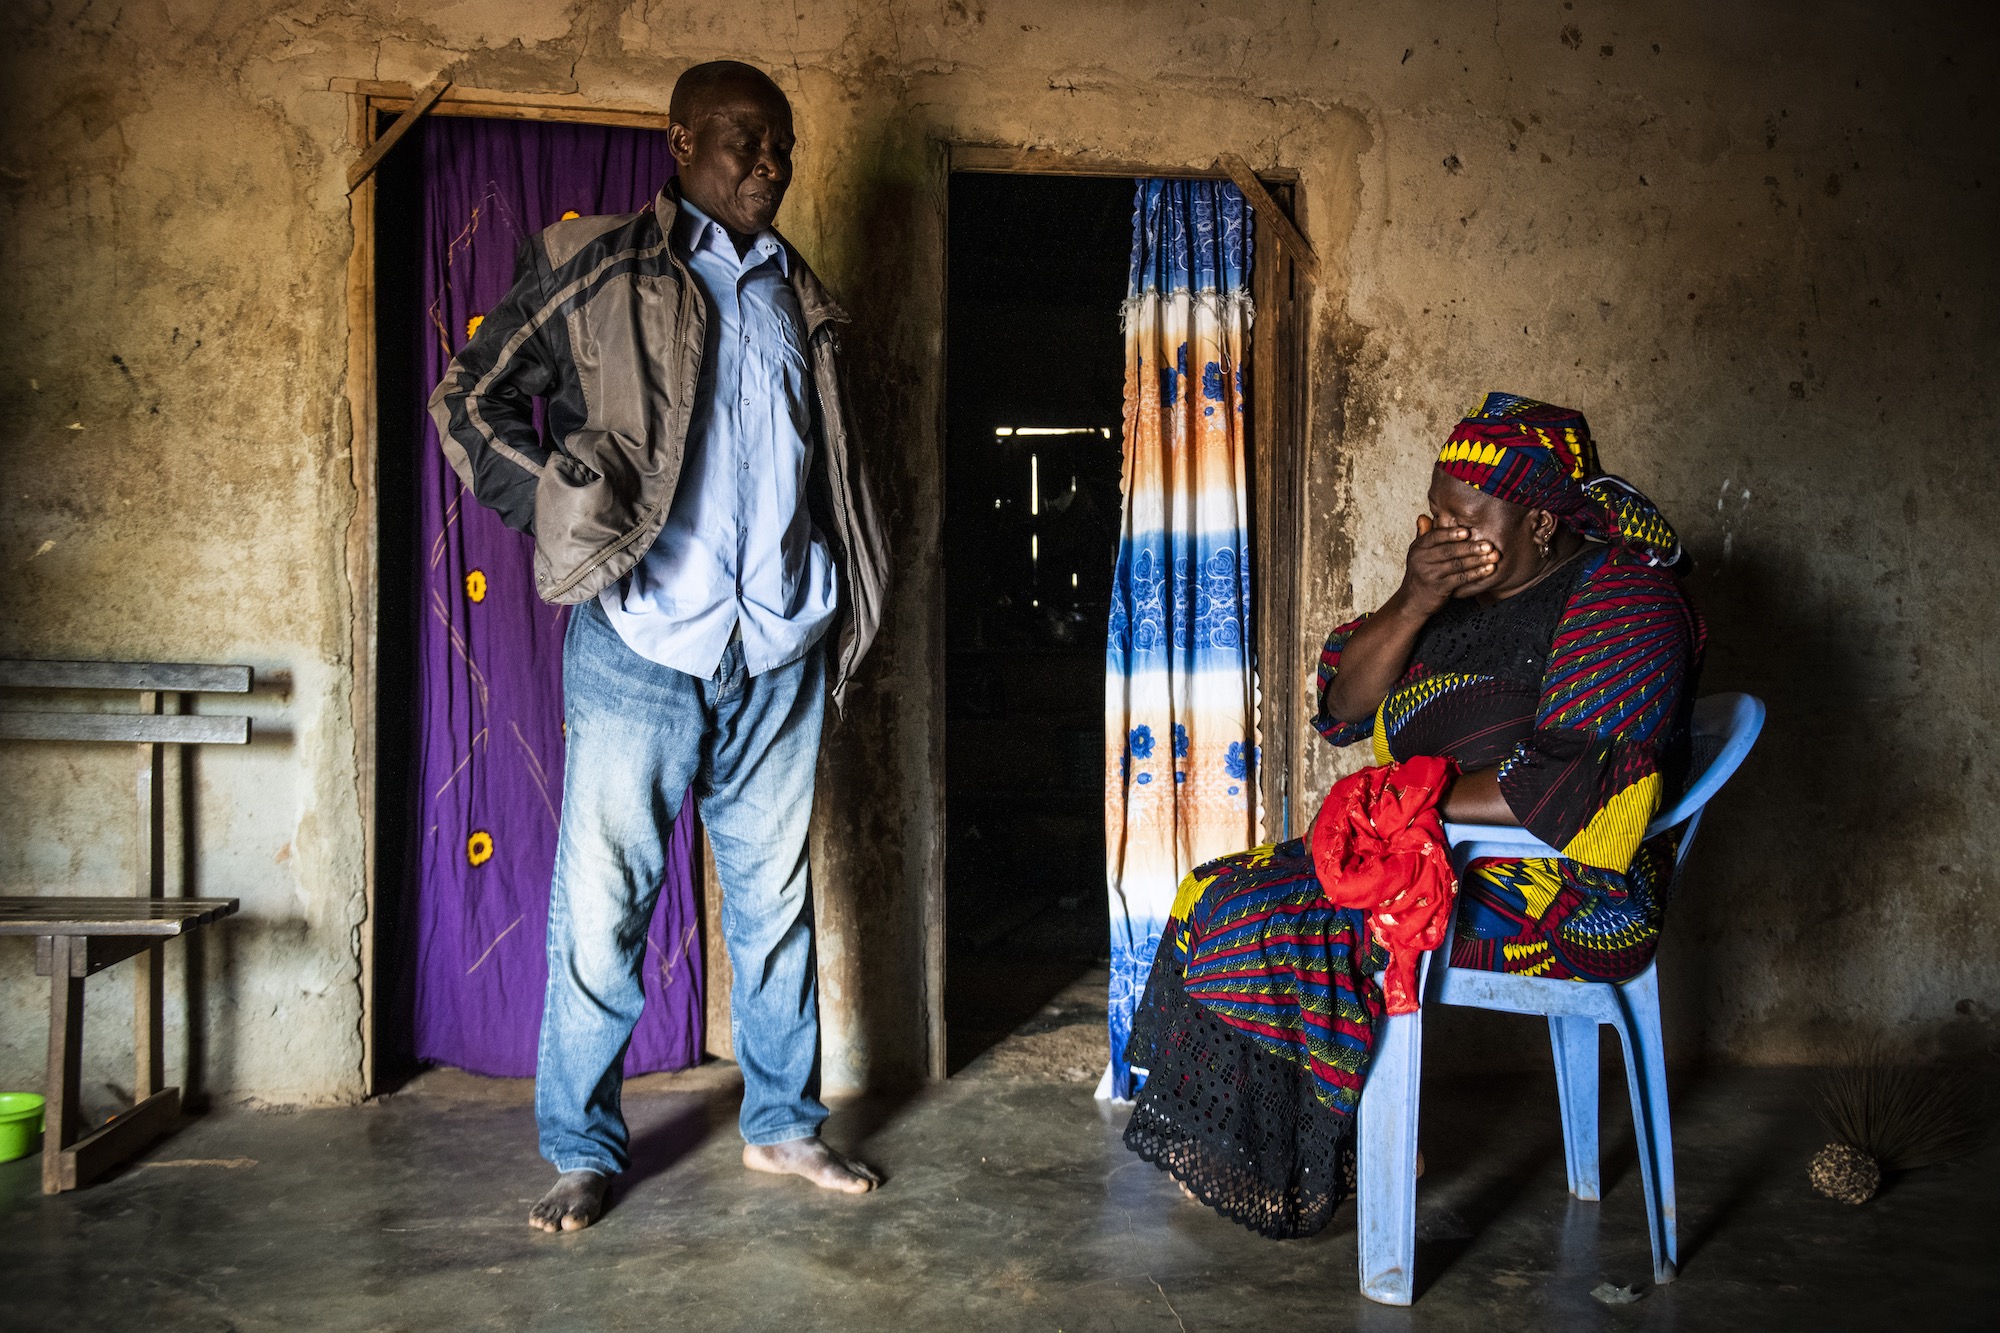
(1010, 1205)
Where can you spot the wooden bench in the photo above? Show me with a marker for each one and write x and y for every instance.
(76, 936)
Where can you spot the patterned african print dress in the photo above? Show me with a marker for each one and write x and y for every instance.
(1261, 1010)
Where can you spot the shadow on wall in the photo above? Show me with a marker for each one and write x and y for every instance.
(1799, 892)
(232, 1051)
(1804, 889)
(871, 843)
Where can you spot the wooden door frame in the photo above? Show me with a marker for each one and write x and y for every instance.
(368, 100)
(1283, 274)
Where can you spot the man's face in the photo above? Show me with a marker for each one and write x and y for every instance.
(736, 159)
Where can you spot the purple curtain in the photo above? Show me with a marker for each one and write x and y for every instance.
(489, 707)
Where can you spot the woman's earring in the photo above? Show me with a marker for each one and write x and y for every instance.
(1542, 545)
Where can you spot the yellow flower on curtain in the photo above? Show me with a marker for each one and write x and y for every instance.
(479, 848)
(472, 326)
(475, 585)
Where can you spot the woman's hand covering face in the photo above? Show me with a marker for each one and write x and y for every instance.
(1445, 562)
(1469, 545)
(1484, 546)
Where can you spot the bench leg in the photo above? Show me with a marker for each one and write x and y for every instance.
(149, 1072)
(149, 972)
(59, 1118)
(120, 1138)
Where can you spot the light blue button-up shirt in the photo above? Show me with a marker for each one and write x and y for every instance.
(739, 552)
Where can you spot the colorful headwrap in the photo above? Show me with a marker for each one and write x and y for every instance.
(1540, 456)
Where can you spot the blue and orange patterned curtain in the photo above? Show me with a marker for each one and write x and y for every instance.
(1180, 689)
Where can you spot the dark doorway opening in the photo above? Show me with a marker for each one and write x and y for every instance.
(400, 393)
(1035, 362)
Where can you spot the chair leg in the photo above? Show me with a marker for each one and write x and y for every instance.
(1575, 1040)
(1386, 1216)
(1652, 1127)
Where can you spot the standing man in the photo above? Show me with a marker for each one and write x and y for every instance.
(697, 498)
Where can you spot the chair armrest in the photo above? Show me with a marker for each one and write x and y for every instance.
(1733, 718)
(1471, 841)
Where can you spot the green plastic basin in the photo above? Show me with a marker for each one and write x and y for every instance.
(20, 1123)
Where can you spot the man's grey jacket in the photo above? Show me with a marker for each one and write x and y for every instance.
(606, 323)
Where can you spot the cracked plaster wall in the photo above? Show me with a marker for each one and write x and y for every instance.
(1754, 243)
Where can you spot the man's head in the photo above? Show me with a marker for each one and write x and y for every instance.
(730, 131)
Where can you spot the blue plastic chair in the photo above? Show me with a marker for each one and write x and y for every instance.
(1725, 726)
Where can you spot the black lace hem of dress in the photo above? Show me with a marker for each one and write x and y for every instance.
(1242, 1129)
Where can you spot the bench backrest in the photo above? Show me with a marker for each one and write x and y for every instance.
(143, 678)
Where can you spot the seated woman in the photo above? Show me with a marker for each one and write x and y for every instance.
(1541, 643)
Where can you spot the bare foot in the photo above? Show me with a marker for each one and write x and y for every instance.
(812, 1158)
(572, 1203)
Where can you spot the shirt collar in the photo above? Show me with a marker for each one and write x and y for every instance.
(698, 231)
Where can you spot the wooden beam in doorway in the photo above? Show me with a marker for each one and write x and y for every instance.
(378, 150)
(382, 95)
(361, 547)
(1268, 212)
(1008, 159)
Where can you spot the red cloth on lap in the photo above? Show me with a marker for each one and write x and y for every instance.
(1378, 845)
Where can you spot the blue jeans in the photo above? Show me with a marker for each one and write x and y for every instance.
(638, 735)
